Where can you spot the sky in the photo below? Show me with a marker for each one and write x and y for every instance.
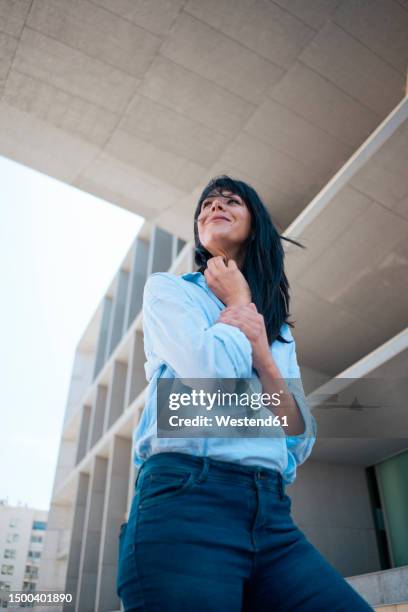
(59, 250)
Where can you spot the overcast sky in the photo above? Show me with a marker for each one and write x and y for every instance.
(59, 250)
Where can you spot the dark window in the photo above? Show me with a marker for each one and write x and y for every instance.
(39, 525)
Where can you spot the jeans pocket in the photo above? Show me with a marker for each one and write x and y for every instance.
(159, 487)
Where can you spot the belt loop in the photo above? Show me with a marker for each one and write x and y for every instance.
(206, 466)
(280, 485)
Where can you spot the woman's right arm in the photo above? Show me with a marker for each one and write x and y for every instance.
(177, 332)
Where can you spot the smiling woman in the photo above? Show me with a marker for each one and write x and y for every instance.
(218, 504)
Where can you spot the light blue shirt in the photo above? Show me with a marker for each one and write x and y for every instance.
(183, 340)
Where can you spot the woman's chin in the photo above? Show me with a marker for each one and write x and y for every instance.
(219, 250)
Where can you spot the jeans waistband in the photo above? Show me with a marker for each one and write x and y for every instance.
(203, 465)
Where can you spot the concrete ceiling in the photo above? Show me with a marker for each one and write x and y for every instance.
(140, 102)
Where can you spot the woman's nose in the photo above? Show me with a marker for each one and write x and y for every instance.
(217, 203)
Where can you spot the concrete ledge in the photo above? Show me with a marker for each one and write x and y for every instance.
(384, 590)
(397, 608)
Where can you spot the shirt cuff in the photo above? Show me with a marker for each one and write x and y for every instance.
(241, 346)
(295, 387)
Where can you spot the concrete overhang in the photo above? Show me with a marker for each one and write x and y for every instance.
(140, 106)
(350, 285)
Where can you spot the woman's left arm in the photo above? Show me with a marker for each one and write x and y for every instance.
(301, 424)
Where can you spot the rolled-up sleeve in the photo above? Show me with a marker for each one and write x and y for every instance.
(300, 446)
(178, 333)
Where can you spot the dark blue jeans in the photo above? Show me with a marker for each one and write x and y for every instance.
(214, 536)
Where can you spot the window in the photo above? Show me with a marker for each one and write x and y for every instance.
(42, 525)
(12, 537)
(28, 586)
(5, 585)
(13, 523)
(31, 572)
(9, 553)
(36, 538)
(34, 554)
(7, 570)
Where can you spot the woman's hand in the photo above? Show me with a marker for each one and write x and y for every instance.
(252, 324)
(227, 282)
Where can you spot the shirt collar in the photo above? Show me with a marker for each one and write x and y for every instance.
(199, 279)
(195, 277)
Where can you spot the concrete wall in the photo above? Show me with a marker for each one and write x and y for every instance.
(331, 505)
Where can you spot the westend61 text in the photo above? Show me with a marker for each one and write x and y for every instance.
(227, 421)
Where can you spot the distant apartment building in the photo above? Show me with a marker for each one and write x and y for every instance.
(22, 533)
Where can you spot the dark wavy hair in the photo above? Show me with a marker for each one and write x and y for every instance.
(263, 267)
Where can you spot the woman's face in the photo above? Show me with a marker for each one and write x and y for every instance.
(224, 223)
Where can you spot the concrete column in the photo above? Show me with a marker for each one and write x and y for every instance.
(77, 530)
(116, 394)
(113, 516)
(83, 433)
(118, 312)
(66, 460)
(180, 245)
(97, 416)
(101, 349)
(91, 538)
(137, 280)
(136, 378)
(177, 245)
(160, 252)
(81, 379)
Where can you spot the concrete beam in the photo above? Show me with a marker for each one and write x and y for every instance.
(375, 141)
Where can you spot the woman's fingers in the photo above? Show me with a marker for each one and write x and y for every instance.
(232, 264)
(218, 262)
(239, 321)
(245, 312)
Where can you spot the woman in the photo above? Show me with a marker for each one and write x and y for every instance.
(210, 527)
